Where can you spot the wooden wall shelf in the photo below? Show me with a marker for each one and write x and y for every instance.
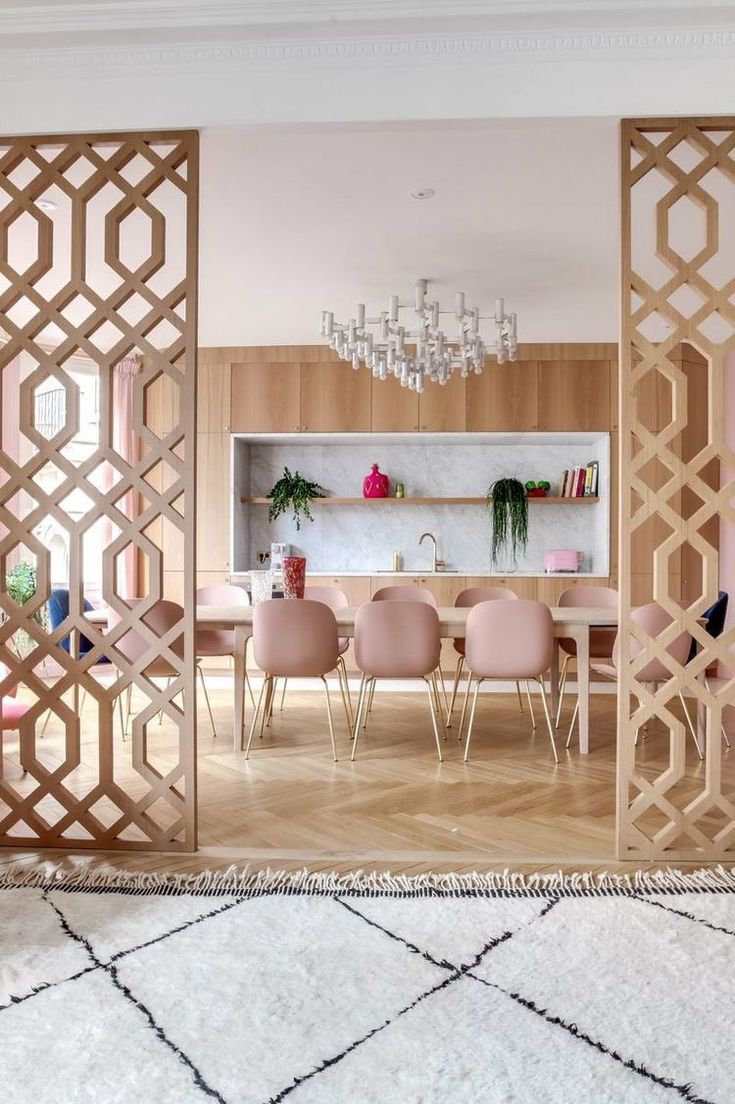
(550, 500)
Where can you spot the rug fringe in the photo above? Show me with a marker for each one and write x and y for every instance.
(242, 883)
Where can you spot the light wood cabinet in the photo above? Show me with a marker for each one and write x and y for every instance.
(574, 395)
(335, 398)
(213, 501)
(213, 398)
(395, 409)
(521, 586)
(444, 409)
(503, 398)
(265, 398)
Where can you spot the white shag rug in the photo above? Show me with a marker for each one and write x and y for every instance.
(367, 989)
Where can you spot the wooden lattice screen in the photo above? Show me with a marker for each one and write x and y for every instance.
(676, 486)
(98, 250)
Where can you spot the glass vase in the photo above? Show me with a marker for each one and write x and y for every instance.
(261, 586)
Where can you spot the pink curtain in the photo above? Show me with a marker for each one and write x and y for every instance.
(126, 442)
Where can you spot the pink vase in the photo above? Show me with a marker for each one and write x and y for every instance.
(375, 485)
(294, 576)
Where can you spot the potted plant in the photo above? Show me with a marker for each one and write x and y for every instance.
(508, 507)
(20, 585)
(293, 493)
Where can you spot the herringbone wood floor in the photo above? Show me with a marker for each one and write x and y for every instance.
(396, 807)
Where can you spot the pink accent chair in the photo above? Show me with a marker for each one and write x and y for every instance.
(464, 600)
(160, 619)
(410, 592)
(654, 620)
(11, 711)
(296, 639)
(403, 592)
(397, 639)
(602, 641)
(219, 642)
(509, 639)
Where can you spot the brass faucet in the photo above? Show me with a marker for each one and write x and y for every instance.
(436, 565)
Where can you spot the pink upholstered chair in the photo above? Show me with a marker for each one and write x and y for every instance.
(219, 642)
(508, 639)
(411, 592)
(403, 592)
(11, 711)
(400, 640)
(293, 639)
(654, 620)
(336, 599)
(472, 596)
(160, 619)
(602, 640)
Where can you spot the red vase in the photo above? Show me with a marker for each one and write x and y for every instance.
(375, 485)
(294, 576)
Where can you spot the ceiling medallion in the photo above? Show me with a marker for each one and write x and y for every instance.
(421, 350)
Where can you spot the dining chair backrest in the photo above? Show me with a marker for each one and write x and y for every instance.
(295, 639)
(160, 619)
(472, 596)
(509, 639)
(602, 640)
(397, 639)
(58, 611)
(654, 620)
(410, 592)
(331, 596)
(222, 596)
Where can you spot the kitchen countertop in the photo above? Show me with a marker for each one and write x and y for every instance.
(371, 572)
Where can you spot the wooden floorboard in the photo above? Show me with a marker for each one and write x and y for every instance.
(396, 808)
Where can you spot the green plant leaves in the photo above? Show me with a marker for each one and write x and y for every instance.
(508, 507)
(293, 492)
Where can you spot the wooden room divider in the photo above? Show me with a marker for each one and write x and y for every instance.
(676, 482)
(98, 281)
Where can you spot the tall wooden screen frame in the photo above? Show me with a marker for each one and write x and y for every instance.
(140, 172)
(682, 812)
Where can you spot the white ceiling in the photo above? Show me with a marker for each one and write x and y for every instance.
(114, 64)
(297, 220)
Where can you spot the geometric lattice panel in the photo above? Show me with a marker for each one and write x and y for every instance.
(98, 279)
(676, 485)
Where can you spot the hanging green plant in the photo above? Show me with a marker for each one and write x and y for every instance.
(508, 508)
(293, 492)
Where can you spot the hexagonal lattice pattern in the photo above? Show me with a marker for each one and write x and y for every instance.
(95, 279)
(675, 485)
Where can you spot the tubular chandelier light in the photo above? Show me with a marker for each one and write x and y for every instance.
(415, 354)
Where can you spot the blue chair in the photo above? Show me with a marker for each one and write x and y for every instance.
(715, 618)
(58, 611)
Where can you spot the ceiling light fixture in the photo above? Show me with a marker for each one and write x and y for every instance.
(46, 204)
(423, 193)
(415, 354)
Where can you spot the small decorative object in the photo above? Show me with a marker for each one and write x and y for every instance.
(261, 586)
(508, 506)
(564, 560)
(400, 490)
(537, 490)
(375, 485)
(293, 492)
(294, 576)
(397, 561)
(278, 551)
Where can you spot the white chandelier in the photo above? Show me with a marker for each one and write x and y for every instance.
(415, 354)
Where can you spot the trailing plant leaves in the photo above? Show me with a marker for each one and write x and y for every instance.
(508, 507)
(293, 492)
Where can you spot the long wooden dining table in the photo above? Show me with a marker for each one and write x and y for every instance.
(569, 621)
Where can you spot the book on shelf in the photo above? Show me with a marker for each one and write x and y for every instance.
(580, 482)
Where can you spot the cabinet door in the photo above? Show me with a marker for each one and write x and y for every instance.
(395, 408)
(335, 398)
(574, 395)
(443, 409)
(521, 585)
(265, 398)
(503, 397)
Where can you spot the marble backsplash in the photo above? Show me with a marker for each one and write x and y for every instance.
(364, 538)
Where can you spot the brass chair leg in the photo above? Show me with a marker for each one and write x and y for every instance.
(362, 707)
(472, 718)
(520, 696)
(331, 722)
(434, 715)
(345, 693)
(548, 719)
(360, 691)
(254, 720)
(464, 707)
(283, 695)
(455, 688)
(530, 704)
(437, 700)
(692, 729)
(444, 689)
(575, 714)
(206, 698)
(562, 688)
